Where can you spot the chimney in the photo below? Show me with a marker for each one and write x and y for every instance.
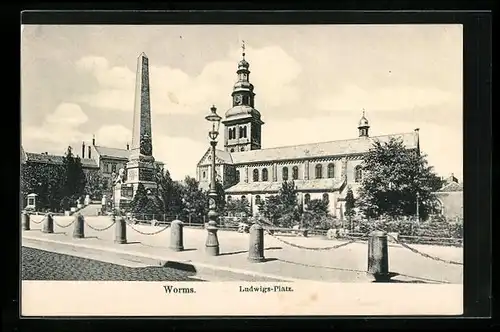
(93, 140)
(83, 149)
(417, 130)
(90, 153)
(128, 147)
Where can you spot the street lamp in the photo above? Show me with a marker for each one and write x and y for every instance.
(418, 203)
(212, 243)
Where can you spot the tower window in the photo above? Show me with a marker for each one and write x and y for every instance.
(285, 173)
(331, 171)
(358, 173)
(319, 171)
(264, 175)
(232, 149)
(257, 199)
(245, 100)
(229, 198)
(232, 133)
(256, 175)
(295, 172)
(237, 176)
(243, 132)
(204, 174)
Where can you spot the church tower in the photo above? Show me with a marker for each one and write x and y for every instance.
(242, 122)
(363, 126)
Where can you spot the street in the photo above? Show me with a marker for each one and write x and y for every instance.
(45, 265)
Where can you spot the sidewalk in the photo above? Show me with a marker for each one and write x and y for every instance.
(285, 262)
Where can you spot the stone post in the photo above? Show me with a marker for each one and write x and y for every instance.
(176, 235)
(48, 224)
(120, 230)
(78, 232)
(26, 221)
(378, 257)
(256, 248)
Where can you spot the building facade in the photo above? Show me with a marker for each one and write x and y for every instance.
(322, 170)
(95, 159)
(450, 199)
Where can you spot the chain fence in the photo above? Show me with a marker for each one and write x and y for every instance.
(39, 221)
(148, 233)
(100, 229)
(63, 226)
(291, 244)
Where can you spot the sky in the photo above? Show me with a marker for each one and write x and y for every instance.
(312, 83)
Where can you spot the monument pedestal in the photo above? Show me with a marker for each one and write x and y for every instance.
(141, 171)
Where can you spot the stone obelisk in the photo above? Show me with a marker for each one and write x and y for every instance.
(140, 167)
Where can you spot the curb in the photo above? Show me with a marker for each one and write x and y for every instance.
(162, 260)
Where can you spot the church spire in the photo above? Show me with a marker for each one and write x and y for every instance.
(363, 125)
(243, 94)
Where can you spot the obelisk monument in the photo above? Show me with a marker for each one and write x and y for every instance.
(140, 167)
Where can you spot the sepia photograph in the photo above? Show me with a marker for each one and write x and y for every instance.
(241, 170)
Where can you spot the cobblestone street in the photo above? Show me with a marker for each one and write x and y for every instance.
(45, 265)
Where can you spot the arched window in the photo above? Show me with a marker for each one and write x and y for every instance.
(358, 173)
(244, 132)
(264, 174)
(243, 198)
(241, 132)
(307, 198)
(232, 149)
(319, 171)
(295, 172)
(257, 199)
(204, 174)
(228, 198)
(256, 175)
(326, 198)
(237, 176)
(285, 173)
(331, 171)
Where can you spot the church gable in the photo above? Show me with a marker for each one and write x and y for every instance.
(221, 157)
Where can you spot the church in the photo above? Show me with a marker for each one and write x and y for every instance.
(323, 170)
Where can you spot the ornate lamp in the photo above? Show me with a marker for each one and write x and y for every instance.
(212, 243)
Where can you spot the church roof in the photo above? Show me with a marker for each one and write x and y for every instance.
(324, 149)
(241, 111)
(301, 185)
(56, 160)
(451, 187)
(220, 156)
(112, 152)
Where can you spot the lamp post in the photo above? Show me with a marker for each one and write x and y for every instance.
(418, 203)
(212, 243)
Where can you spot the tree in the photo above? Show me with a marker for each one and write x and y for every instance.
(45, 180)
(74, 181)
(392, 177)
(282, 209)
(316, 213)
(237, 206)
(94, 185)
(169, 193)
(350, 204)
(141, 203)
(195, 200)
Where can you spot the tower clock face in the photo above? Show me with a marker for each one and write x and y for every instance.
(238, 99)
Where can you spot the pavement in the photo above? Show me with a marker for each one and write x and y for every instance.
(295, 259)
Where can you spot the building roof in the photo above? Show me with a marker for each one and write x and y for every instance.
(324, 149)
(112, 152)
(221, 156)
(56, 160)
(300, 185)
(452, 187)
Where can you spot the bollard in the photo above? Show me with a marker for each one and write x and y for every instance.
(120, 230)
(48, 224)
(26, 221)
(256, 248)
(378, 257)
(78, 232)
(176, 235)
(212, 243)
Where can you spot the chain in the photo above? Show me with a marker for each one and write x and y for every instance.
(423, 254)
(146, 233)
(100, 229)
(309, 248)
(64, 226)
